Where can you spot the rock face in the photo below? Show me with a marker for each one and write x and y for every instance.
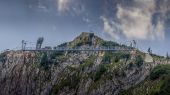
(148, 58)
(82, 73)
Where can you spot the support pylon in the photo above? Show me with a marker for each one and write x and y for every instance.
(23, 44)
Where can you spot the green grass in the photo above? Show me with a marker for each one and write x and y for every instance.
(158, 83)
(160, 71)
(145, 88)
(165, 88)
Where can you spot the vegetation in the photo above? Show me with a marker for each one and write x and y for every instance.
(107, 57)
(51, 58)
(139, 60)
(100, 71)
(163, 73)
(167, 56)
(160, 71)
(157, 57)
(109, 44)
(44, 61)
(165, 88)
(70, 81)
(85, 39)
(54, 55)
(123, 55)
(88, 63)
(115, 57)
(149, 50)
(62, 45)
(146, 87)
(157, 84)
(2, 57)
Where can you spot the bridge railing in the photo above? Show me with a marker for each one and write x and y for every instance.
(79, 49)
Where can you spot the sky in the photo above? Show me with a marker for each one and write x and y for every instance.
(58, 21)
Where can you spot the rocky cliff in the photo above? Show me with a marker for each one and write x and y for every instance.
(71, 73)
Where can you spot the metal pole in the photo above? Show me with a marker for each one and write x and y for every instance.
(22, 47)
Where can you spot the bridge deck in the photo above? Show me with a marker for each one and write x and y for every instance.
(69, 49)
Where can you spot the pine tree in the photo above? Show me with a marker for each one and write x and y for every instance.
(149, 50)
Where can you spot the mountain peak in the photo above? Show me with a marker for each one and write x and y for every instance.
(86, 38)
(86, 34)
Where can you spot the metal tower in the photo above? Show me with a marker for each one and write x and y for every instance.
(23, 44)
(39, 43)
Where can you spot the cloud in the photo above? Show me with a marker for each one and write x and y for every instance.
(87, 20)
(63, 5)
(136, 21)
(73, 7)
(110, 27)
(42, 7)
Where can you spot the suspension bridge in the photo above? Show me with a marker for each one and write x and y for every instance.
(130, 47)
(77, 49)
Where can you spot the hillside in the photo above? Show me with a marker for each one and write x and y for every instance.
(158, 83)
(72, 73)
